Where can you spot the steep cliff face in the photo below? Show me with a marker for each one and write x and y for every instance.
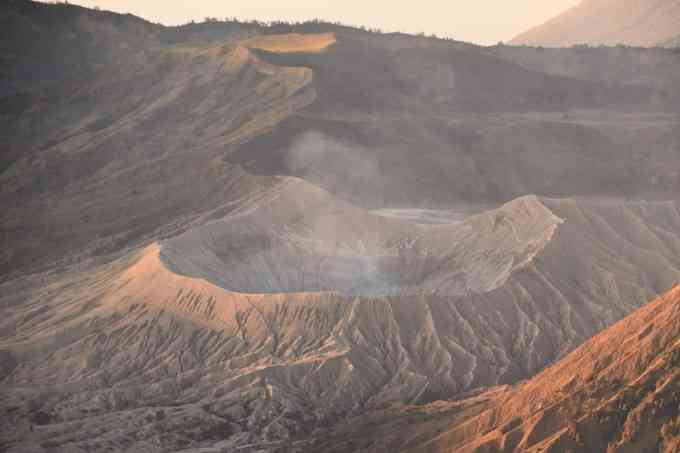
(610, 22)
(232, 325)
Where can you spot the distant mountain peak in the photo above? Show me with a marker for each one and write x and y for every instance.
(608, 22)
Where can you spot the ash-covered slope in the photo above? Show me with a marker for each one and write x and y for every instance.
(610, 22)
(129, 145)
(491, 127)
(106, 115)
(230, 347)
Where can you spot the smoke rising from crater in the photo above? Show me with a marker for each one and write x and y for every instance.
(325, 160)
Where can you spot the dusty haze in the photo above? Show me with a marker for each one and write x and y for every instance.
(482, 22)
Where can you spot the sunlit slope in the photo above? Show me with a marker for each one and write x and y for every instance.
(618, 392)
(292, 42)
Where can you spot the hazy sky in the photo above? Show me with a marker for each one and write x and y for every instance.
(480, 21)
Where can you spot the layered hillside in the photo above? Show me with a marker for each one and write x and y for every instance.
(105, 115)
(610, 22)
(297, 310)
